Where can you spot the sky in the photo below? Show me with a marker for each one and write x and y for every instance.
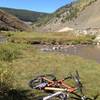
(35, 5)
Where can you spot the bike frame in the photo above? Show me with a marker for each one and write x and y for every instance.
(58, 83)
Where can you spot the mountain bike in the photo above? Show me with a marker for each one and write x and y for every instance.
(59, 88)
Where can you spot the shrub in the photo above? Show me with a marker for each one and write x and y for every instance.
(8, 53)
(6, 79)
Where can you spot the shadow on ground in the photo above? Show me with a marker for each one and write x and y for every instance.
(19, 95)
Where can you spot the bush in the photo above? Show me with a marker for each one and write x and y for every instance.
(6, 79)
(8, 53)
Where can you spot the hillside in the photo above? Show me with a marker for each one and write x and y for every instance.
(74, 15)
(90, 17)
(25, 15)
(9, 22)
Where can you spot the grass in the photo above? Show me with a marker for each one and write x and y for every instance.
(20, 62)
(59, 64)
(34, 62)
(49, 38)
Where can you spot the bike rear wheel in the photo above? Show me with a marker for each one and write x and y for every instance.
(39, 79)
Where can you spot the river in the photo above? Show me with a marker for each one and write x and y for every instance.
(91, 52)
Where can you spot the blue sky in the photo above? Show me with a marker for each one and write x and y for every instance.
(35, 5)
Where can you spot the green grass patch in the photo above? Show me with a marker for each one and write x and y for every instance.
(34, 62)
(49, 38)
(9, 52)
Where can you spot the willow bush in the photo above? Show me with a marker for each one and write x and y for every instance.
(6, 79)
(9, 53)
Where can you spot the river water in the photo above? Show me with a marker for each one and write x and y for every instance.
(91, 52)
(88, 52)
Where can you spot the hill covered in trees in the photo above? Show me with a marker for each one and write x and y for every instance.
(25, 15)
(9, 22)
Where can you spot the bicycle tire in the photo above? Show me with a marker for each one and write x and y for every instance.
(39, 79)
(88, 99)
(78, 97)
(50, 77)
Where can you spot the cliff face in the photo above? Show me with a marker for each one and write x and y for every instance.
(9, 22)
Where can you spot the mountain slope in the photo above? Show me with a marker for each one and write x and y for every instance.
(9, 22)
(90, 17)
(25, 15)
(74, 15)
